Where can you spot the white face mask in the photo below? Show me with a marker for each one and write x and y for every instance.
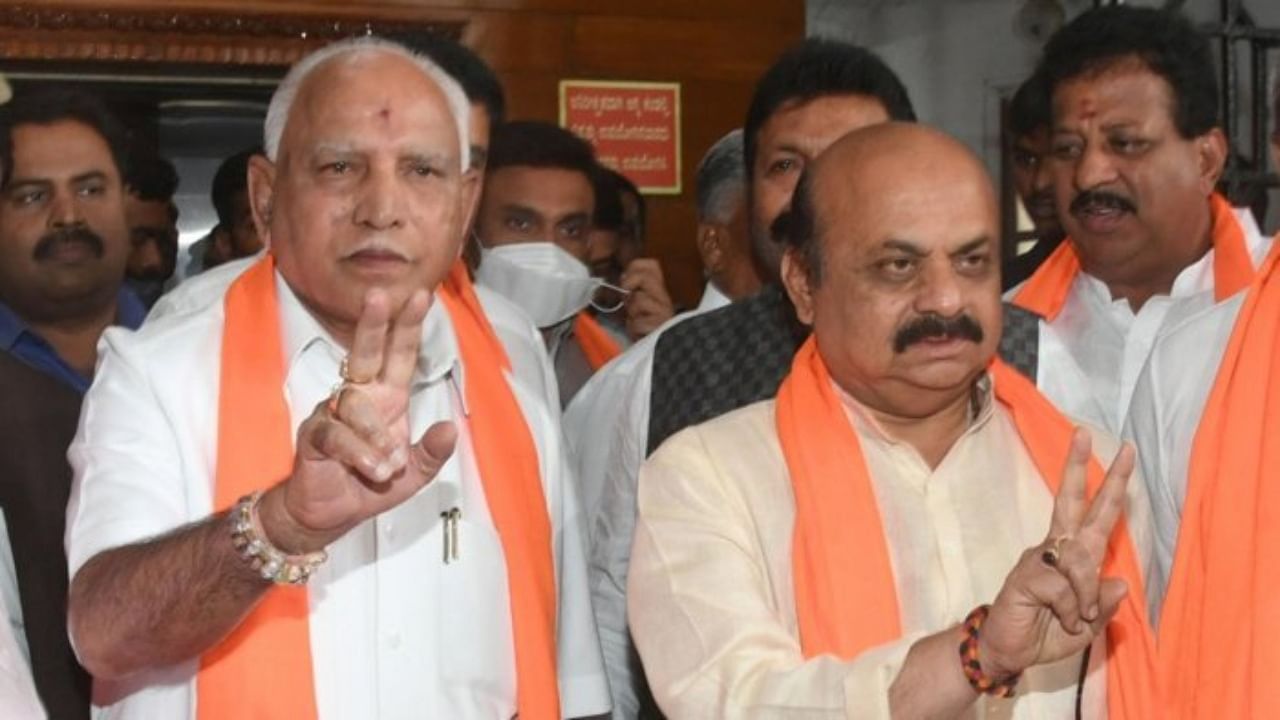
(548, 283)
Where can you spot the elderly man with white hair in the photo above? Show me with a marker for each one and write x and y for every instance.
(326, 495)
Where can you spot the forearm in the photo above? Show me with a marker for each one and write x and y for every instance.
(160, 602)
(931, 683)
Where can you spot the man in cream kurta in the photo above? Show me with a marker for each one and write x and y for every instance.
(717, 512)
(713, 599)
(1137, 152)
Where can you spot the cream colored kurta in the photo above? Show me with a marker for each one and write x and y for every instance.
(710, 593)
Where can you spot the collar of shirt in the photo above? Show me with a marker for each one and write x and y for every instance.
(980, 411)
(712, 298)
(1194, 279)
(438, 354)
(18, 338)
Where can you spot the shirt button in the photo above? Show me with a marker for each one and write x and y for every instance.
(393, 641)
(388, 529)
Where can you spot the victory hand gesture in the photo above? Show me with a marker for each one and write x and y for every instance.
(1054, 602)
(354, 456)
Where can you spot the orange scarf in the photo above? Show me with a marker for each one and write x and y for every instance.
(263, 669)
(1220, 628)
(1045, 292)
(597, 344)
(846, 601)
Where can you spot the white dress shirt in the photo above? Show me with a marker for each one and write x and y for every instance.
(18, 699)
(517, 333)
(712, 299)
(1092, 352)
(1168, 402)
(606, 426)
(395, 632)
(712, 598)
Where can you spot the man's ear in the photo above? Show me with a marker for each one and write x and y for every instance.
(795, 278)
(1212, 150)
(711, 239)
(261, 186)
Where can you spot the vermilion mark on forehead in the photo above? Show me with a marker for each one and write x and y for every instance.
(1086, 108)
(385, 113)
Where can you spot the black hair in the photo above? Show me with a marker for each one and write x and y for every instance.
(1163, 40)
(820, 67)
(51, 105)
(231, 179)
(797, 229)
(479, 83)
(533, 143)
(1029, 108)
(609, 213)
(150, 177)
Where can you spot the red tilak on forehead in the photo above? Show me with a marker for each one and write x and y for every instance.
(385, 113)
(1086, 108)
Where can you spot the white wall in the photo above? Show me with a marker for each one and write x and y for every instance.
(958, 57)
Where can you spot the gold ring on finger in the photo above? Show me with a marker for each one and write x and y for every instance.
(335, 398)
(344, 370)
(1052, 554)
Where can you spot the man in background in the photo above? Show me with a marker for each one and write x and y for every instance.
(728, 358)
(1030, 137)
(153, 224)
(64, 243)
(724, 244)
(1137, 152)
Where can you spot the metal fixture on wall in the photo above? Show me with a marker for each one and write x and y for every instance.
(1245, 179)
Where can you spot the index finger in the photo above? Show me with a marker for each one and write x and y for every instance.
(1109, 503)
(405, 340)
(364, 361)
(639, 271)
(1069, 504)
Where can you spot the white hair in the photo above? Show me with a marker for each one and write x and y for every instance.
(282, 100)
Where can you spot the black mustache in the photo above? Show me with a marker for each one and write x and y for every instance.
(75, 234)
(933, 325)
(1101, 198)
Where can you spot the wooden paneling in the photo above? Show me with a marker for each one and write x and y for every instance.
(715, 48)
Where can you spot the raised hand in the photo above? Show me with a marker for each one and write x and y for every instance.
(648, 304)
(1054, 602)
(354, 456)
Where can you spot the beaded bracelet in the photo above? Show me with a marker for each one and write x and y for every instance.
(980, 681)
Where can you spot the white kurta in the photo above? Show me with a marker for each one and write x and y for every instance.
(1092, 352)
(711, 595)
(1168, 403)
(395, 632)
(606, 426)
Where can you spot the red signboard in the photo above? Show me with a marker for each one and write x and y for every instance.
(635, 128)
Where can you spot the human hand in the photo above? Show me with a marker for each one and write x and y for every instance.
(1054, 602)
(354, 457)
(649, 304)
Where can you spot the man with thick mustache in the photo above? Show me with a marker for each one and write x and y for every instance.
(826, 554)
(1136, 153)
(64, 242)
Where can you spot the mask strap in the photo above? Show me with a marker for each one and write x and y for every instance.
(608, 308)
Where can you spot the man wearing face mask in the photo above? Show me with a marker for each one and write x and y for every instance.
(534, 225)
